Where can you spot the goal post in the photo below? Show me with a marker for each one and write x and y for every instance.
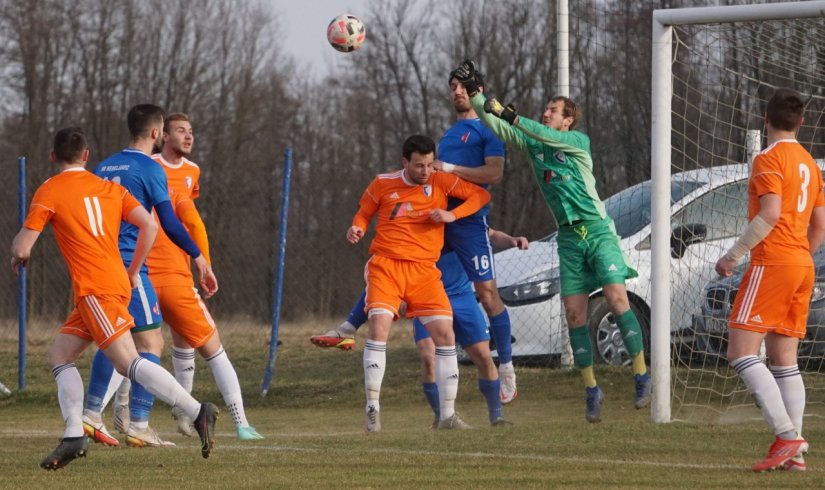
(663, 48)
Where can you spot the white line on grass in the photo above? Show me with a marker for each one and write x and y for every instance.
(477, 455)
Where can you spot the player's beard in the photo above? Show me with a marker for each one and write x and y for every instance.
(181, 152)
(462, 106)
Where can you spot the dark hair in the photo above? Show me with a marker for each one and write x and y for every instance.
(479, 77)
(176, 116)
(418, 143)
(571, 109)
(69, 144)
(785, 109)
(142, 117)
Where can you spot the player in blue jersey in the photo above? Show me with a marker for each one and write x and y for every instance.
(468, 324)
(134, 169)
(473, 152)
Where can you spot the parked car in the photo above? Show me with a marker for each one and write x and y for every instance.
(708, 213)
(711, 323)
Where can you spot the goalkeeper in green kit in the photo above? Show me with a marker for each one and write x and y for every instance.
(588, 246)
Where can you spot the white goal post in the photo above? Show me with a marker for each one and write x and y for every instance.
(664, 22)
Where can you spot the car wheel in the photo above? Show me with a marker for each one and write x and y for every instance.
(606, 336)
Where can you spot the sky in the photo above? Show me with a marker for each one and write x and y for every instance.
(304, 24)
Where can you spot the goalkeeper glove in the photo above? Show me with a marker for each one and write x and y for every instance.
(494, 107)
(466, 75)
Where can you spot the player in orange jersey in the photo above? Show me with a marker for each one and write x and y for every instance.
(786, 208)
(410, 206)
(86, 212)
(167, 262)
(183, 310)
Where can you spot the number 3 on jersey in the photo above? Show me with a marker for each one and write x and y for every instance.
(94, 214)
(802, 200)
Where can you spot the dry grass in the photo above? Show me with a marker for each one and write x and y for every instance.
(312, 421)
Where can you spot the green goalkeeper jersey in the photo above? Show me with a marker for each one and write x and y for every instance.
(561, 162)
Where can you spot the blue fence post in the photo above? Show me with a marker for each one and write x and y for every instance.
(21, 280)
(279, 274)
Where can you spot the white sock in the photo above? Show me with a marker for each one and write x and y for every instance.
(183, 364)
(114, 385)
(70, 397)
(162, 384)
(375, 363)
(227, 380)
(764, 388)
(792, 389)
(446, 376)
(506, 366)
(122, 396)
(346, 329)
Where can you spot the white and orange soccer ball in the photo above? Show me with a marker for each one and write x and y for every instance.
(346, 33)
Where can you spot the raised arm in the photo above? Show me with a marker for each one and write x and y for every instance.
(567, 141)
(508, 133)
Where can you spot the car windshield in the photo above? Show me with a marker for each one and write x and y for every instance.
(630, 208)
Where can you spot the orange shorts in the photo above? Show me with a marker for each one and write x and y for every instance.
(184, 312)
(99, 318)
(391, 281)
(774, 298)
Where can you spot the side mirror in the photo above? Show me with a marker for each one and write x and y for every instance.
(684, 235)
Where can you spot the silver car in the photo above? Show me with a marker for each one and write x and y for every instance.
(708, 213)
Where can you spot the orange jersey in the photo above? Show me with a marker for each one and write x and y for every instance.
(183, 177)
(404, 229)
(168, 264)
(85, 212)
(787, 170)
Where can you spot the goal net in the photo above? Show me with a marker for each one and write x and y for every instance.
(721, 72)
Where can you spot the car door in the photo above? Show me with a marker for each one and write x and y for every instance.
(723, 211)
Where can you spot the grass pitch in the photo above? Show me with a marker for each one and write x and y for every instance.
(312, 419)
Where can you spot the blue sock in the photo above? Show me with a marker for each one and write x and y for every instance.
(490, 390)
(141, 401)
(357, 317)
(102, 370)
(431, 393)
(500, 330)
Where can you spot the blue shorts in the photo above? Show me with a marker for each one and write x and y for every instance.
(143, 305)
(468, 238)
(468, 321)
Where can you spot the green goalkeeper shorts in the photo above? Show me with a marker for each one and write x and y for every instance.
(590, 257)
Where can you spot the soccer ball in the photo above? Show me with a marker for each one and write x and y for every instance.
(345, 33)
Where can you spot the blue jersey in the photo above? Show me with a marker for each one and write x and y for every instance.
(467, 143)
(452, 275)
(144, 179)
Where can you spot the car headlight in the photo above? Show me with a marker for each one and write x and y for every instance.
(818, 292)
(534, 289)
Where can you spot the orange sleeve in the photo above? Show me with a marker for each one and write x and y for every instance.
(368, 205)
(129, 203)
(766, 175)
(191, 219)
(475, 197)
(41, 210)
